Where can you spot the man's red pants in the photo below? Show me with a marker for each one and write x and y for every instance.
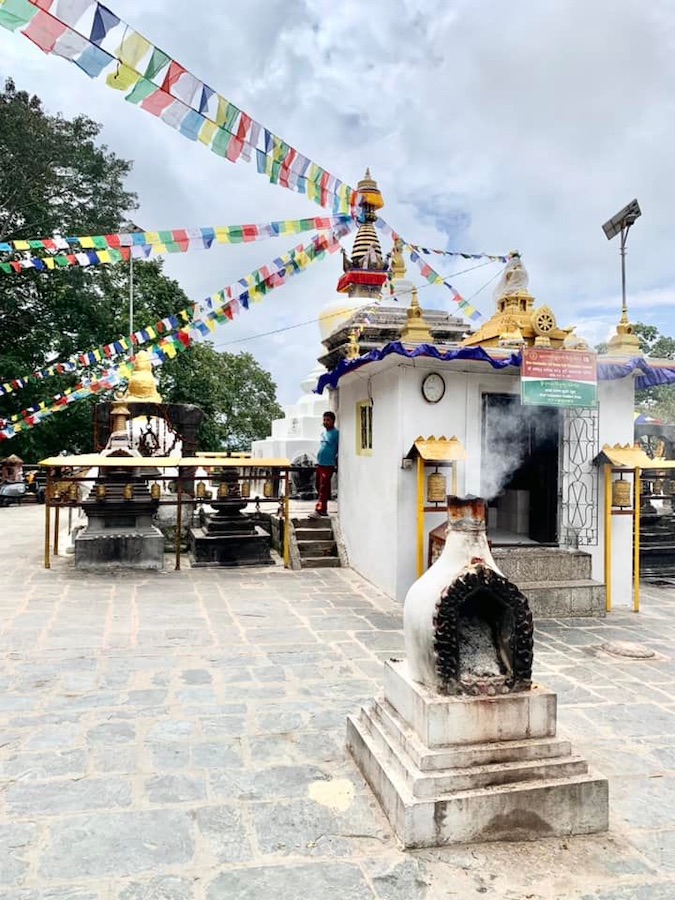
(323, 479)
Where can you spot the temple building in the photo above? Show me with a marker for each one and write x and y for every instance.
(426, 408)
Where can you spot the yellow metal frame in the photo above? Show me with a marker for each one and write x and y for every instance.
(87, 461)
(635, 513)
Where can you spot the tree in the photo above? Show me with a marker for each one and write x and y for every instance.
(238, 397)
(656, 401)
(56, 178)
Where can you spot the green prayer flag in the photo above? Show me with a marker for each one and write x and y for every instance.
(16, 13)
(158, 60)
(141, 90)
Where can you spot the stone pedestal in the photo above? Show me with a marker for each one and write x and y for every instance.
(120, 532)
(461, 769)
(229, 539)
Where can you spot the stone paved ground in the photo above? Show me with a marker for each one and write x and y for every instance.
(181, 735)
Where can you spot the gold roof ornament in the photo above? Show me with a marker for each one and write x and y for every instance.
(416, 330)
(353, 349)
(630, 456)
(517, 322)
(398, 271)
(142, 387)
(625, 342)
(370, 192)
(433, 449)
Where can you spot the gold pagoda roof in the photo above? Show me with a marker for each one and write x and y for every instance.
(433, 449)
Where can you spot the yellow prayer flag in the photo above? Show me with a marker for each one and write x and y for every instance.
(122, 78)
(151, 332)
(104, 256)
(207, 132)
(169, 349)
(49, 262)
(133, 48)
(152, 237)
(159, 248)
(222, 235)
(86, 243)
(21, 245)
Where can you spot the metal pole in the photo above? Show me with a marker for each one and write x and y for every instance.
(56, 530)
(624, 308)
(608, 538)
(179, 521)
(287, 522)
(420, 516)
(47, 523)
(131, 293)
(636, 542)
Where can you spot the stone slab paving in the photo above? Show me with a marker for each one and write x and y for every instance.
(166, 736)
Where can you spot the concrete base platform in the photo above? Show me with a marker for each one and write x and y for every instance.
(132, 550)
(456, 769)
(251, 549)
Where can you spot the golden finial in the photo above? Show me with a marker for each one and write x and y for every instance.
(624, 342)
(142, 386)
(353, 349)
(397, 262)
(416, 330)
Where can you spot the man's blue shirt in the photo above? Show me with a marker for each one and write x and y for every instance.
(328, 447)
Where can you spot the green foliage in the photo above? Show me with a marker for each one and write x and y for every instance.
(656, 401)
(237, 396)
(56, 179)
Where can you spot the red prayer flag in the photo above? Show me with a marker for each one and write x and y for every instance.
(44, 30)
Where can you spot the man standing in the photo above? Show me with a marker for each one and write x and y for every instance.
(326, 462)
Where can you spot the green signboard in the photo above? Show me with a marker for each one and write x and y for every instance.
(559, 378)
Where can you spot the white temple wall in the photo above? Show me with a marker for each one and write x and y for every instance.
(368, 485)
(378, 497)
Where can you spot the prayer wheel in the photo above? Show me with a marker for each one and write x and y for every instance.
(128, 492)
(100, 492)
(223, 490)
(436, 488)
(201, 490)
(621, 493)
(73, 492)
(156, 491)
(246, 489)
(268, 488)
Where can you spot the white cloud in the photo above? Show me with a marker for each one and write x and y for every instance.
(488, 129)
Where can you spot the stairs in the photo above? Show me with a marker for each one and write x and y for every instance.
(316, 544)
(557, 582)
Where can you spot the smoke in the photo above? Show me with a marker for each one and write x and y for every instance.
(511, 435)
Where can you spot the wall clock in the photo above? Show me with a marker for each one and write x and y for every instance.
(433, 387)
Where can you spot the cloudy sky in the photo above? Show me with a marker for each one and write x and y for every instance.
(488, 127)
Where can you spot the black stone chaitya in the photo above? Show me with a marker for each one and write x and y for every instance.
(228, 537)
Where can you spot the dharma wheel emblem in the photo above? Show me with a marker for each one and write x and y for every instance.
(543, 320)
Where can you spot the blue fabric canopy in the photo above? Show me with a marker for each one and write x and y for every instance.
(330, 379)
(649, 375)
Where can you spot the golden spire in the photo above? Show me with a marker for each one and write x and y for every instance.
(371, 196)
(624, 342)
(397, 262)
(142, 386)
(416, 330)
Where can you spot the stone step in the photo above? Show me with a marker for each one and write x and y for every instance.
(562, 599)
(317, 548)
(549, 564)
(314, 534)
(430, 785)
(320, 562)
(461, 757)
(307, 522)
